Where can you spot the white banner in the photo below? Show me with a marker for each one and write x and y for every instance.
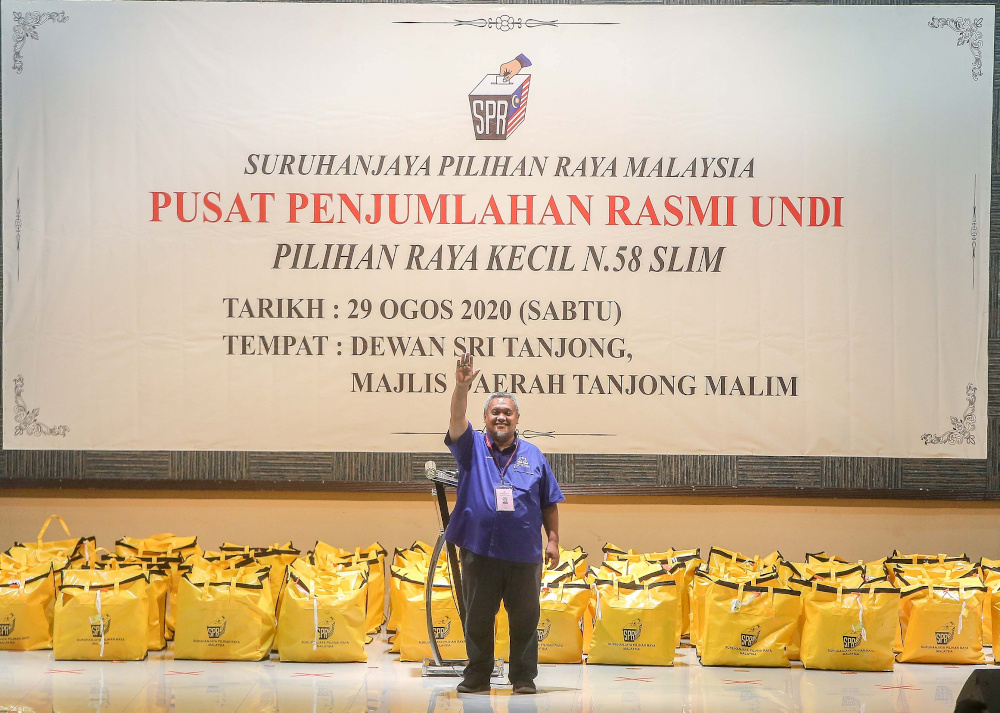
(266, 226)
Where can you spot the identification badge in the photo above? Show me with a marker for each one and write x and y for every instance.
(505, 500)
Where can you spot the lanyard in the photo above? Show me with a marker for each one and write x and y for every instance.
(495, 454)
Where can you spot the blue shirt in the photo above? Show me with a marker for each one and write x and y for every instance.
(475, 524)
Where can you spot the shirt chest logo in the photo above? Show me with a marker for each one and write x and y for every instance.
(522, 462)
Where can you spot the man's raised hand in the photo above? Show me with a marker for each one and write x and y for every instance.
(465, 374)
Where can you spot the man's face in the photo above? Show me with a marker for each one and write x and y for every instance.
(501, 421)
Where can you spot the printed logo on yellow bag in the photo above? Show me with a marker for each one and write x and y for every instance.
(945, 634)
(851, 640)
(630, 633)
(7, 625)
(749, 637)
(325, 630)
(442, 627)
(99, 627)
(544, 629)
(217, 628)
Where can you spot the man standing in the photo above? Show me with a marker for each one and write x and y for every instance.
(506, 494)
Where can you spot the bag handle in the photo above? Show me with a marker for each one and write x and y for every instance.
(45, 527)
(961, 596)
(737, 603)
(312, 596)
(92, 557)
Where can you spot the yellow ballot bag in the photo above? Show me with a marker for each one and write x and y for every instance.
(157, 589)
(700, 587)
(322, 620)
(277, 557)
(635, 624)
(375, 588)
(414, 644)
(943, 624)
(374, 557)
(748, 625)
(27, 606)
(991, 579)
(560, 623)
(406, 583)
(225, 620)
(102, 622)
(849, 629)
(170, 566)
(166, 544)
(73, 548)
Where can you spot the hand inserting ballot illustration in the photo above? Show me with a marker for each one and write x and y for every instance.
(509, 69)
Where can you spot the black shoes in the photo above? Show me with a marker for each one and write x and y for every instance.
(473, 686)
(522, 688)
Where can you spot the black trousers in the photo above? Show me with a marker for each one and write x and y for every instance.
(485, 583)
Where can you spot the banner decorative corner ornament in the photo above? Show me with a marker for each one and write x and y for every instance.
(962, 428)
(26, 27)
(27, 419)
(717, 269)
(969, 33)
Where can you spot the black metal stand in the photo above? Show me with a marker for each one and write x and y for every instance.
(438, 666)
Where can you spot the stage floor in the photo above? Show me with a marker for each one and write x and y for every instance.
(34, 682)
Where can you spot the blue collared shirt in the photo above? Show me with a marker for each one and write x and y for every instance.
(475, 524)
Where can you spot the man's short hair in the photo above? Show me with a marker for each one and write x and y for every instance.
(501, 395)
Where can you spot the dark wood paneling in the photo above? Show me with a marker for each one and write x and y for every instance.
(697, 470)
(764, 471)
(369, 467)
(564, 466)
(211, 465)
(861, 473)
(594, 469)
(944, 475)
(43, 465)
(303, 467)
(115, 465)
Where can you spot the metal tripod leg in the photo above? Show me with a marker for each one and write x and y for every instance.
(436, 665)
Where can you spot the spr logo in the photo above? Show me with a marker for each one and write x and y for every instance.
(499, 103)
(851, 641)
(632, 631)
(945, 634)
(325, 630)
(749, 637)
(7, 624)
(217, 628)
(442, 628)
(99, 626)
(543, 630)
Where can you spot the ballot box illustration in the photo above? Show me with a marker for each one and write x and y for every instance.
(499, 105)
